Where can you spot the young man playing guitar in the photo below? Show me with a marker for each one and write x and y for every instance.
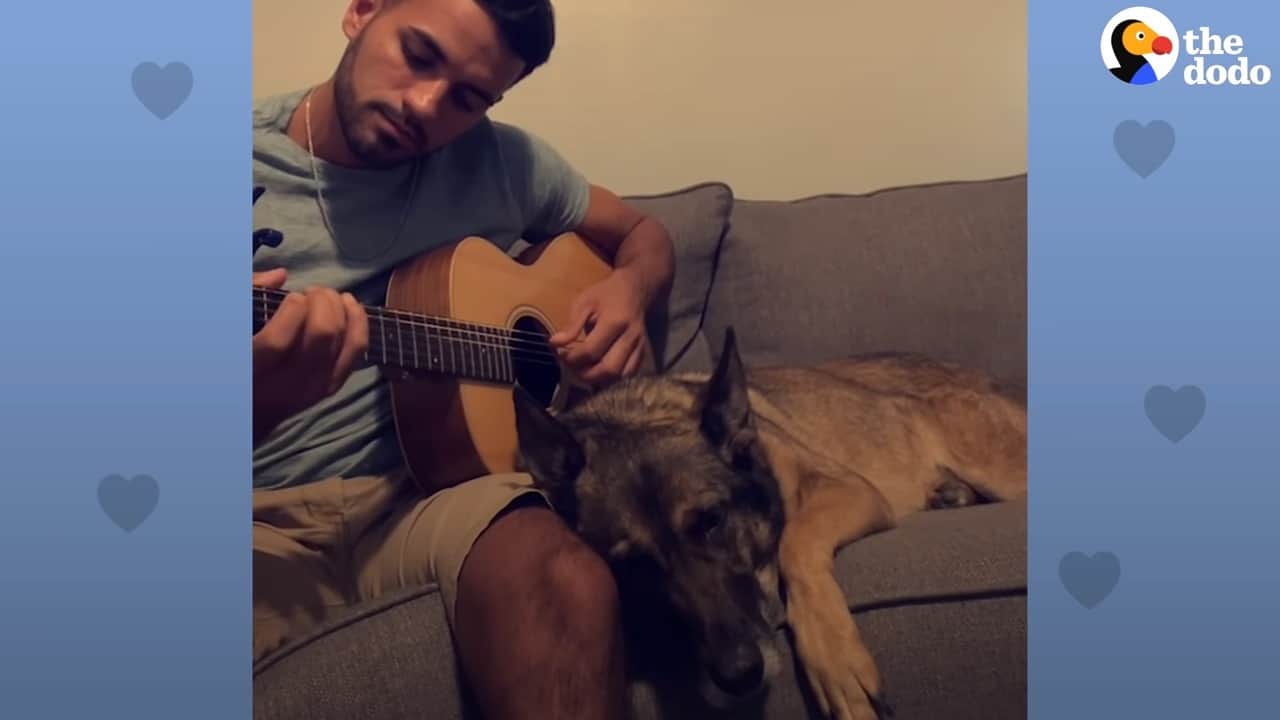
(391, 158)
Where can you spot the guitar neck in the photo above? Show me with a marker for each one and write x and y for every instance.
(418, 342)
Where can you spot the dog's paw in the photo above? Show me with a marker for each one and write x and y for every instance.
(882, 706)
(841, 697)
(841, 674)
(952, 493)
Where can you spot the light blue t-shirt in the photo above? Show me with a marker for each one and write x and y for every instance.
(496, 181)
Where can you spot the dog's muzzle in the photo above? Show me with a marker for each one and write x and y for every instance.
(740, 670)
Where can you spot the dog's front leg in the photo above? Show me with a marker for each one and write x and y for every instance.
(839, 667)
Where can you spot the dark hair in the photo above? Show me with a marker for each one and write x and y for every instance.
(527, 26)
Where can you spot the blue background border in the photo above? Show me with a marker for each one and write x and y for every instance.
(1133, 282)
(124, 268)
(125, 272)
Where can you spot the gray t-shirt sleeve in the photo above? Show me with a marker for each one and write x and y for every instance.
(551, 194)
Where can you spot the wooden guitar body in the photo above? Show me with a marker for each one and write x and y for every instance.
(453, 427)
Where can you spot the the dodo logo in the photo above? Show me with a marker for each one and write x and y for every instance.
(1140, 47)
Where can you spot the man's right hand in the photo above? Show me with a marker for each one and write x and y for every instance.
(305, 352)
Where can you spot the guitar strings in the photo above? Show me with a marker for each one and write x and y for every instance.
(383, 342)
(420, 331)
(461, 331)
(492, 368)
(445, 333)
(504, 340)
(416, 334)
(275, 297)
(485, 367)
(488, 338)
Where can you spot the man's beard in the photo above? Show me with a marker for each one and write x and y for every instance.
(370, 152)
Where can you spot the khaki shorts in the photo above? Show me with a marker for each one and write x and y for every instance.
(333, 543)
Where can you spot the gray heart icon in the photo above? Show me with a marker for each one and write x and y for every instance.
(162, 90)
(128, 501)
(1089, 579)
(1143, 149)
(1175, 414)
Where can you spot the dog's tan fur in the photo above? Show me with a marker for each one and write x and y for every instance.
(854, 445)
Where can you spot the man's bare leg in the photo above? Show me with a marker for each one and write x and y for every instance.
(537, 623)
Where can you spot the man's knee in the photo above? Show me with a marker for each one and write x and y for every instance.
(532, 594)
(530, 551)
(582, 586)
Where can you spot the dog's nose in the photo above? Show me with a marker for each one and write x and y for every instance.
(740, 670)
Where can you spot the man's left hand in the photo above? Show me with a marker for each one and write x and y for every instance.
(611, 315)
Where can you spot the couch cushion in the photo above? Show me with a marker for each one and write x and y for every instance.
(964, 552)
(388, 658)
(696, 218)
(938, 269)
(961, 658)
(940, 601)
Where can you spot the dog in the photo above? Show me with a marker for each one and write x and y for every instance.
(727, 496)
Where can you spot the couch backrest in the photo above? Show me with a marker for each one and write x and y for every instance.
(939, 269)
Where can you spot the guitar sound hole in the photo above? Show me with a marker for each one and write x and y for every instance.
(534, 360)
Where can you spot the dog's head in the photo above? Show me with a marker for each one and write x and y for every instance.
(665, 478)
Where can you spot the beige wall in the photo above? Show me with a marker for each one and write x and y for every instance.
(779, 98)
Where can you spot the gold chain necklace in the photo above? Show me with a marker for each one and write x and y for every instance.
(324, 215)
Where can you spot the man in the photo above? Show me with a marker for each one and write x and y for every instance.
(391, 157)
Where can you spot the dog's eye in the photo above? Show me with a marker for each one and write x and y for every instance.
(706, 522)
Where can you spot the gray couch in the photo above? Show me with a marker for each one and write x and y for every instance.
(941, 600)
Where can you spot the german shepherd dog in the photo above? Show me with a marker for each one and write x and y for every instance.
(727, 497)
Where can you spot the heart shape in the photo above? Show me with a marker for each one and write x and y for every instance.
(1144, 148)
(128, 502)
(1175, 413)
(1089, 579)
(162, 90)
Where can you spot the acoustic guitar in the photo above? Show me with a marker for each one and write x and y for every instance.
(461, 326)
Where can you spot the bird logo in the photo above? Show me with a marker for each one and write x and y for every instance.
(1139, 46)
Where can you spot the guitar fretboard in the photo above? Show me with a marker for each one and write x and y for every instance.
(442, 345)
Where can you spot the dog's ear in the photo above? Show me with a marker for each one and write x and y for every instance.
(547, 450)
(726, 408)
